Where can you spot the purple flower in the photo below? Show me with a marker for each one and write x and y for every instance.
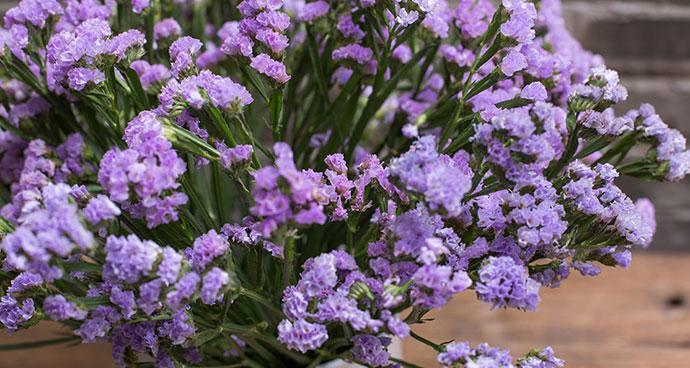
(541, 359)
(178, 329)
(273, 69)
(313, 10)
(24, 281)
(504, 283)
(355, 52)
(120, 44)
(513, 63)
(534, 91)
(442, 180)
(125, 300)
(57, 308)
(302, 335)
(235, 157)
(166, 28)
(100, 208)
(206, 249)
(213, 282)
(150, 74)
(79, 78)
(128, 258)
(369, 350)
(150, 167)
(13, 314)
(182, 52)
(185, 288)
(139, 5)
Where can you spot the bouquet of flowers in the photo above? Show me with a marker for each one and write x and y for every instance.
(269, 183)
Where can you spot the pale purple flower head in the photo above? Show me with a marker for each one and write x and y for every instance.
(370, 350)
(505, 283)
(302, 335)
(273, 69)
(57, 308)
(166, 28)
(213, 282)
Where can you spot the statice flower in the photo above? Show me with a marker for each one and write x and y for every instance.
(541, 359)
(523, 142)
(235, 157)
(50, 228)
(59, 309)
(505, 283)
(150, 75)
(213, 282)
(441, 180)
(302, 335)
(129, 258)
(520, 23)
(182, 53)
(206, 249)
(601, 89)
(166, 28)
(99, 209)
(25, 281)
(35, 12)
(13, 314)
(273, 69)
(221, 92)
(670, 144)
(263, 26)
(354, 52)
(482, 356)
(369, 350)
(143, 178)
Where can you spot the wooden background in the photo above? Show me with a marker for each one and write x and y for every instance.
(635, 318)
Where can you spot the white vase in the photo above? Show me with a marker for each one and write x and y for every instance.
(395, 350)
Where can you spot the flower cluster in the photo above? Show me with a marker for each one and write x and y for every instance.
(263, 28)
(143, 178)
(165, 189)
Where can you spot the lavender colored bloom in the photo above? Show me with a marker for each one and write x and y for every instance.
(166, 28)
(185, 288)
(125, 300)
(313, 10)
(647, 211)
(25, 281)
(520, 23)
(355, 52)
(14, 314)
(454, 352)
(139, 6)
(275, 41)
(279, 21)
(513, 63)
(119, 45)
(57, 308)
(182, 52)
(534, 91)
(79, 78)
(369, 350)
(541, 359)
(235, 157)
(150, 75)
(170, 265)
(149, 296)
(442, 180)
(178, 329)
(35, 12)
(99, 323)
(100, 208)
(128, 258)
(150, 167)
(504, 283)
(213, 282)
(302, 335)
(273, 69)
(206, 249)
(348, 28)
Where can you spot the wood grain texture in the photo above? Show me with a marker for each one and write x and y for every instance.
(624, 318)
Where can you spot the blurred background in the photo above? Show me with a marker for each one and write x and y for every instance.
(632, 318)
